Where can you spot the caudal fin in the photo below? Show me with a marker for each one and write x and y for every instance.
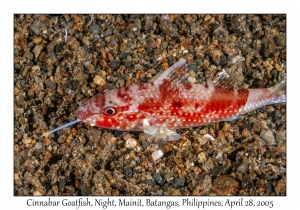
(279, 92)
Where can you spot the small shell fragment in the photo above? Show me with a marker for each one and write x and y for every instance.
(71, 92)
(157, 154)
(209, 137)
(201, 157)
(191, 80)
(26, 139)
(130, 143)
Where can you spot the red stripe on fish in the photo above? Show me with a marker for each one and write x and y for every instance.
(227, 100)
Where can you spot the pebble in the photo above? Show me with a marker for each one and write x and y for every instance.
(269, 187)
(48, 156)
(281, 40)
(37, 193)
(217, 56)
(37, 51)
(127, 172)
(179, 182)
(268, 136)
(34, 28)
(145, 144)
(123, 56)
(90, 67)
(169, 176)
(167, 148)
(99, 80)
(281, 148)
(85, 41)
(39, 146)
(194, 29)
(159, 180)
(150, 182)
(94, 29)
(26, 140)
(61, 184)
(246, 133)
(35, 68)
(278, 67)
(201, 157)
(51, 45)
(159, 193)
(201, 139)
(268, 66)
(55, 189)
(281, 136)
(51, 85)
(226, 127)
(94, 135)
(193, 67)
(243, 168)
(167, 27)
(188, 18)
(85, 190)
(127, 136)
(114, 64)
(280, 188)
(219, 157)
(37, 40)
(61, 139)
(46, 141)
(207, 18)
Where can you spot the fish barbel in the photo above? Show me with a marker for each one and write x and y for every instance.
(171, 102)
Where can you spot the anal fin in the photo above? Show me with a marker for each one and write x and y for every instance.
(230, 119)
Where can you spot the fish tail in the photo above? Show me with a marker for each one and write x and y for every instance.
(279, 92)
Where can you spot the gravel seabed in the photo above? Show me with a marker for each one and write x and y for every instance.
(60, 61)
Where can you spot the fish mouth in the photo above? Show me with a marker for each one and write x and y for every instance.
(93, 119)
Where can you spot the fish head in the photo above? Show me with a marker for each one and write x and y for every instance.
(106, 110)
(90, 111)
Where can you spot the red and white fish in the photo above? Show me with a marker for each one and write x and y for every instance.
(171, 103)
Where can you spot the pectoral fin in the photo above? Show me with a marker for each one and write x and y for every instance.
(168, 135)
(155, 133)
(150, 131)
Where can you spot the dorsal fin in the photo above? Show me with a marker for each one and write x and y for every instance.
(178, 73)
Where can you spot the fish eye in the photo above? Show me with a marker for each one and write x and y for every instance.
(109, 111)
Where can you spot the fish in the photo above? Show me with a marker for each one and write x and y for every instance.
(172, 102)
